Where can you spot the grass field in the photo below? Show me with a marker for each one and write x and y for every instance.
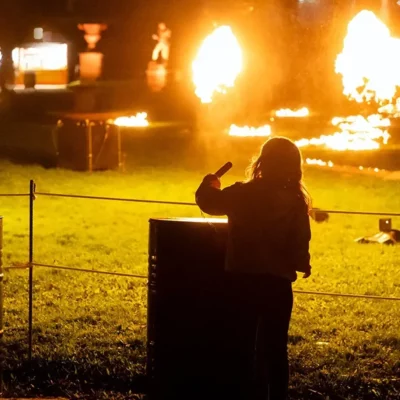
(89, 330)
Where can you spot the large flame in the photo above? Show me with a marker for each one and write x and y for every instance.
(355, 133)
(139, 120)
(288, 113)
(217, 65)
(248, 131)
(392, 109)
(370, 60)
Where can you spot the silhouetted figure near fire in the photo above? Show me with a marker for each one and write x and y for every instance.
(162, 47)
(6, 73)
(269, 235)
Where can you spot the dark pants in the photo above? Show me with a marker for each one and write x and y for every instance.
(263, 307)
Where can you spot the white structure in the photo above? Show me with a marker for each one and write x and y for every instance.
(163, 36)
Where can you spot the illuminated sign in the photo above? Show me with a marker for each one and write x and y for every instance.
(41, 57)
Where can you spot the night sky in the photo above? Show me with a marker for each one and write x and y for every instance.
(279, 37)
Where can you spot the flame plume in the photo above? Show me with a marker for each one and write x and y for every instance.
(217, 65)
(249, 131)
(139, 120)
(370, 60)
(355, 133)
(288, 113)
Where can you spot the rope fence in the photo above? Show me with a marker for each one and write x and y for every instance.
(350, 295)
(178, 203)
(63, 267)
(181, 203)
(14, 194)
(89, 270)
(30, 265)
(77, 196)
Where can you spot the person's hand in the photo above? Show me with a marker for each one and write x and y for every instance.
(307, 274)
(155, 37)
(213, 181)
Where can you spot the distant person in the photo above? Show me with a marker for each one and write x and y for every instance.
(269, 235)
(77, 71)
(162, 47)
(6, 73)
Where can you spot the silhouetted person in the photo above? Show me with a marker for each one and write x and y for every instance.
(269, 234)
(6, 73)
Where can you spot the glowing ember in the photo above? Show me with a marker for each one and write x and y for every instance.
(344, 168)
(391, 109)
(370, 60)
(138, 120)
(287, 112)
(247, 131)
(360, 124)
(320, 163)
(217, 65)
(356, 133)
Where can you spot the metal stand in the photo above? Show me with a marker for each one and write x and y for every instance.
(89, 142)
(68, 157)
(119, 144)
(89, 138)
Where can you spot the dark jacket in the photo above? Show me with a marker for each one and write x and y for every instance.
(269, 227)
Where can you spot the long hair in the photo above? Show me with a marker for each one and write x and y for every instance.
(280, 164)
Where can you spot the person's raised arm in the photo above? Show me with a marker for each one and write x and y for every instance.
(211, 199)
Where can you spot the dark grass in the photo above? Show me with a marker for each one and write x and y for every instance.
(89, 330)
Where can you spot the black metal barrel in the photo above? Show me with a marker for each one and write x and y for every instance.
(190, 318)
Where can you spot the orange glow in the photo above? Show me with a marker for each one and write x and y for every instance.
(156, 76)
(90, 65)
(247, 131)
(139, 120)
(217, 65)
(288, 113)
(92, 33)
(370, 60)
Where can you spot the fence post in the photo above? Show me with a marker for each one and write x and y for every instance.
(119, 148)
(89, 141)
(1, 279)
(1, 298)
(32, 188)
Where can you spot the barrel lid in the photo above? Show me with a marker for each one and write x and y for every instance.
(192, 220)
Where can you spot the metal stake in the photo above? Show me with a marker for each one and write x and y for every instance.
(1, 297)
(32, 188)
(1, 279)
(119, 148)
(89, 145)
